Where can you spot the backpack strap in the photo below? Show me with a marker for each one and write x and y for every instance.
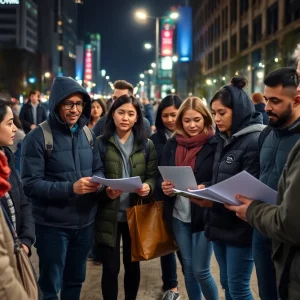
(89, 136)
(102, 148)
(48, 137)
(263, 135)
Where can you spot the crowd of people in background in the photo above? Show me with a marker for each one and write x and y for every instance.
(49, 152)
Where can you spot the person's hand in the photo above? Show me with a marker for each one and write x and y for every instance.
(32, 126)
(26, 249)
(201, 186)
(153, 128)
(113, 194)
(144, 191)
(240, 211)
(84, 186)
(167, 188)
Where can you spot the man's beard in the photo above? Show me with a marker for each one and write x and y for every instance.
(281, 120)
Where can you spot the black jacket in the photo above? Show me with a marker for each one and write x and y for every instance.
(203, 173)
(24, 219)
(26, 116)
(159, 140)
(48, 182)
(234, 154)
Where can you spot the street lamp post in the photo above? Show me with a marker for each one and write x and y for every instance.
(142, 15)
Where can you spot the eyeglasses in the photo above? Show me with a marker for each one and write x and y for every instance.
(69, 105)
(296, 79)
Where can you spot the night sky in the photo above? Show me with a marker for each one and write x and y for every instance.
(123, 38)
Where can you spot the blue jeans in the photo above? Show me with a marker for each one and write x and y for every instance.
(265, 270)
(169, 271)
(62, 260)
(196, 254)
(236, 265)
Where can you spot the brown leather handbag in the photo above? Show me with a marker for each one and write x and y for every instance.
(26, 272)
(149, 234)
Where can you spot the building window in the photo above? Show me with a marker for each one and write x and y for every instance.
(7, 31)
(224, 19)
(224, 50)
(7, 21)
(243, 6)
(233, 45)
(257, 29)
(244, 38)
(233, 11)
(217, 56)
(210, 60)
(292, 11)
(272, 19)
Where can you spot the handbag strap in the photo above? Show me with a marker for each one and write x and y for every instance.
(11, 226)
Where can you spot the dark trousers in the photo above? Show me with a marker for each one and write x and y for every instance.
(62, 260)
(265, 270)
(169, 271)
(111, 267)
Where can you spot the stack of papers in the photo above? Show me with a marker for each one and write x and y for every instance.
(226, 191)
(127, 185)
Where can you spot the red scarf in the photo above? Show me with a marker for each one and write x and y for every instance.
(4, 175)
(188, 148)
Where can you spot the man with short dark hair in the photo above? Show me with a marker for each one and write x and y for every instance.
(33, 112)
(121, 87)
(58, 184)
(269, 221)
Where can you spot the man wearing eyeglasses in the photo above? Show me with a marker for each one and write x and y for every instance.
(63, 198)
(278, 226)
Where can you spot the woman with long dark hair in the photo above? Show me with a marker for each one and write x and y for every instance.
(15, 202)
(98, 111)
(165, 124)
(125, 152)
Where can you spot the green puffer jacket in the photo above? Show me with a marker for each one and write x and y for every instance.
(107, 215)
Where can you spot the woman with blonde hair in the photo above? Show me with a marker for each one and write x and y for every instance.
(193, 144)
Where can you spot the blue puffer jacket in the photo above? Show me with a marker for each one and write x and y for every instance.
(48, 182)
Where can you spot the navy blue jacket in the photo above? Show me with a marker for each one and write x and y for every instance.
(274, 152)
(26, 116)
(24, 219)
(260, 107)
(49, 182)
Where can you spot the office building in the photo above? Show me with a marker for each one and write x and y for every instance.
(242, 37)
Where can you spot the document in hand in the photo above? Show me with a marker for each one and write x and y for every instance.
(226, 191)
(127, 185)
(182, 178)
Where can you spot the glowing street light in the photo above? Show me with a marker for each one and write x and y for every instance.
(153, 65)
(174, 15)
(142, 76)
(175, 58)
(47, 75)
(150, 71)
(147, 46)
(142, 15)
(107, 77)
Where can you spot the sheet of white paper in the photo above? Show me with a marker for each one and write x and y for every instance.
(128, 185)
(243, 184)
(182, 178)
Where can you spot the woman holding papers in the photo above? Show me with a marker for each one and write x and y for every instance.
(126, 156)
(239, 127)
(165, 124)
(193, 144)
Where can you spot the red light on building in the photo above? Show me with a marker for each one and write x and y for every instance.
(88, 64)
(166, 42)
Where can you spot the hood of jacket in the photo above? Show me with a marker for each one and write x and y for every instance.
(243, 111)
(63, 87)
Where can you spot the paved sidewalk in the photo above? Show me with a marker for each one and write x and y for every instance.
(150, 287)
